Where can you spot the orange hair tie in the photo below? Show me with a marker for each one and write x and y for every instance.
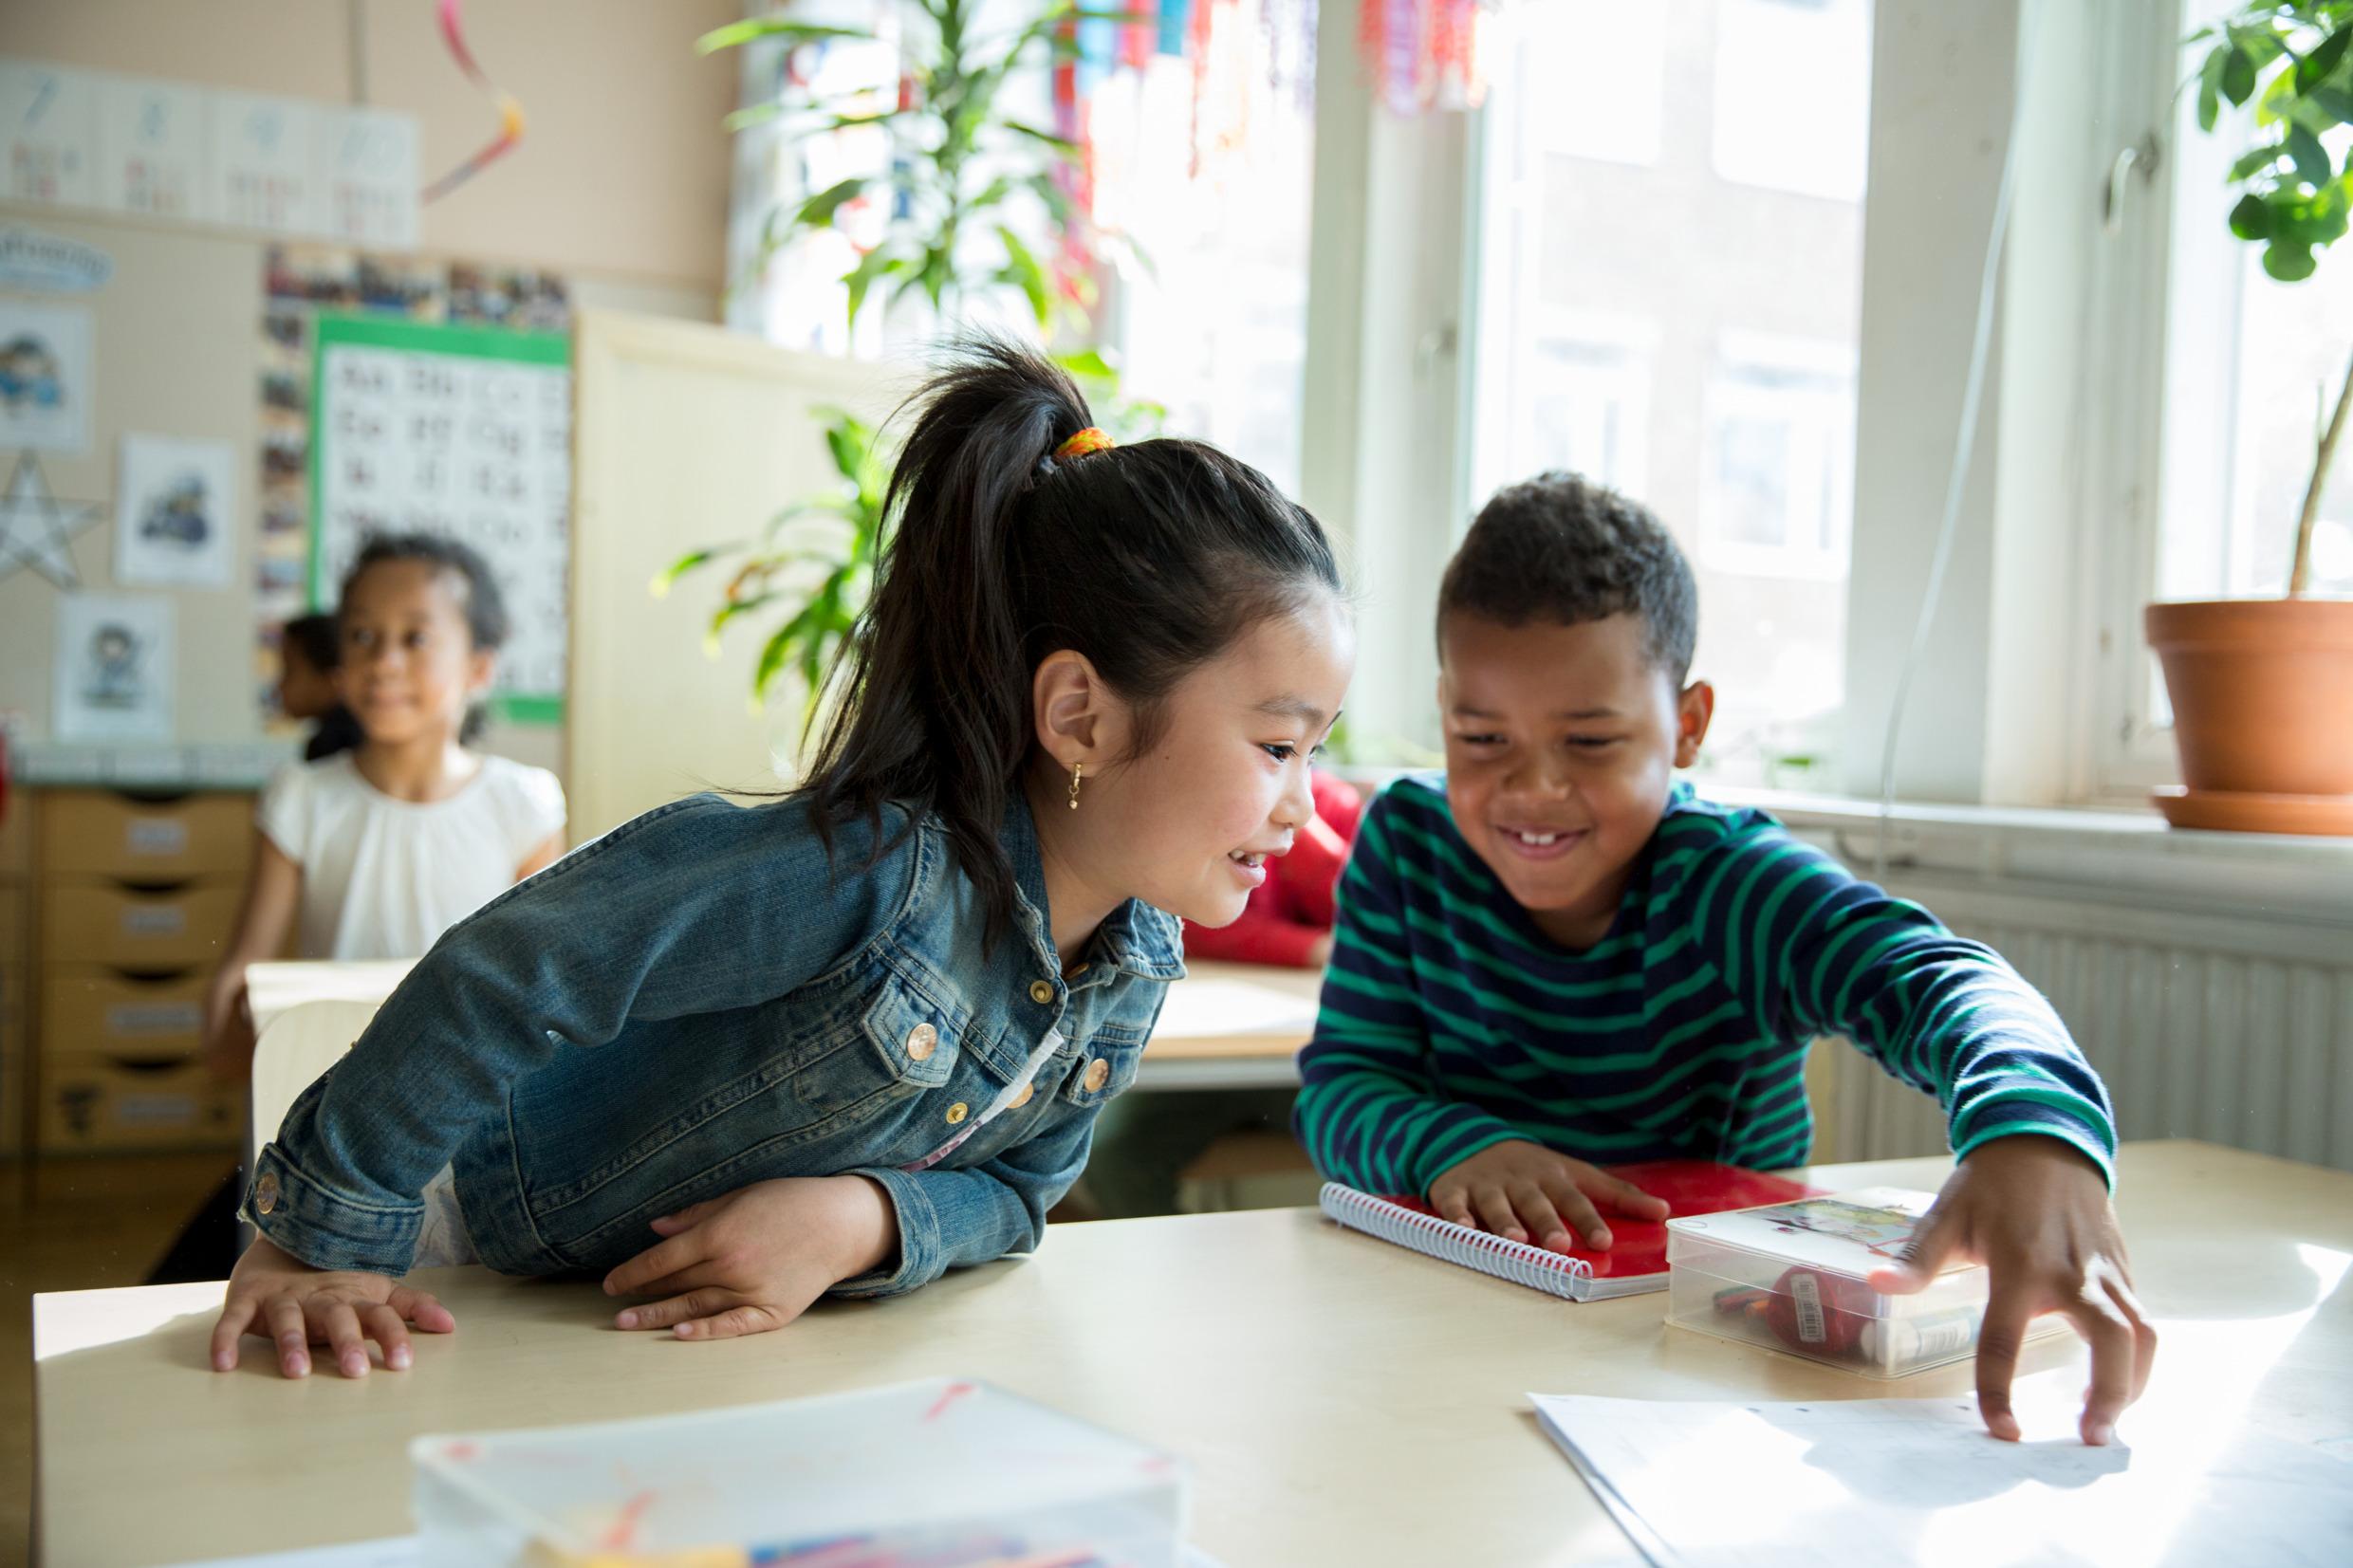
(1088, 440)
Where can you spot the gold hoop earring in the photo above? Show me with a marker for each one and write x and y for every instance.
(1077, 771)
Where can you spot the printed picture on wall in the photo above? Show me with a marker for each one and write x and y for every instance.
(45, 376)
(176, 513)
(114, 660)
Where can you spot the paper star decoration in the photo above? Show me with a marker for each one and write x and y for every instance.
(35, 527)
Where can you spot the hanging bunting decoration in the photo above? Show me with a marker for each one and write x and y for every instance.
(1424, 54)
(510, 110)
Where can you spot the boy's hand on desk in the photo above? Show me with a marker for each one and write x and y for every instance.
(273, 1292)
(1521, 1190)
(755, 1259)
(2036, 1214)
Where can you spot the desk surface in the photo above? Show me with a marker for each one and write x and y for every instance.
(1225, 1025)
(1340, 1399)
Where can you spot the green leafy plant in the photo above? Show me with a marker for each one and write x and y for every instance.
(961, 165)
(814, 562)
(2291, 62)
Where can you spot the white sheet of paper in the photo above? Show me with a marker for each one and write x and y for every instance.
(402, 1552)
(114, 665)
(45, 388)
(151, 138)
(1901, 1481)
(176, 513)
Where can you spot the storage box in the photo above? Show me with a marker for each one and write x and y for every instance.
(1792, 1277)
(93, 1104)
(125, 929)
(943, 1472)
(140, 839)
(89, 1010)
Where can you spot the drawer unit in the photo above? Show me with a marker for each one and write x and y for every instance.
(98, 1104)
(87, 1010)
(145, 840)
(132, 928)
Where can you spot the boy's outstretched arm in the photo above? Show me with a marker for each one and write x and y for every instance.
(1813, 951)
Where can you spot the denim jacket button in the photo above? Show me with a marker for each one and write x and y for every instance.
(1042, 992)
(265, 1192)
(1098, 1074)
(1023, 1099)
(921, 1042)
(957, 1112)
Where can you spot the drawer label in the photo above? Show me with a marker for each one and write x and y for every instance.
(156, 1110)
(155, 1017)
(156, 836)
(155, 920)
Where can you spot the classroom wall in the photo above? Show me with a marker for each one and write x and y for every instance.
(622, 170)
(621, 184)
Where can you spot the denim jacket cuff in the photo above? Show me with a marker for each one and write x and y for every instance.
(325, 1228)
(918, 1239)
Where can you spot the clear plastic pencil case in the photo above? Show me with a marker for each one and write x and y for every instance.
(1795, 1277)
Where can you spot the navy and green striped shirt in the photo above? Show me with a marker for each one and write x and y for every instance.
(1451, 1023)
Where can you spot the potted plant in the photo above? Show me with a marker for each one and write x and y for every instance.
(2262, 690)
(964, 176)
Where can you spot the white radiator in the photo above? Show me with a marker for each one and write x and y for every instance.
(2232, 1027)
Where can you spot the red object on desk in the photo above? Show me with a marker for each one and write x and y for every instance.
(1638, 1248)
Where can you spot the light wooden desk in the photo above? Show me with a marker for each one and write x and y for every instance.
(1225, 1027)
(1339, 1400)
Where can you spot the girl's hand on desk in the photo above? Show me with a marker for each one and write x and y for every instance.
(2036, 1214)
(755, 1259)
(273, 1292)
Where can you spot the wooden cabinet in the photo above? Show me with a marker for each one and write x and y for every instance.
(131, 900)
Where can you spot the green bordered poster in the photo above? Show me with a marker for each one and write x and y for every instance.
(463, 431)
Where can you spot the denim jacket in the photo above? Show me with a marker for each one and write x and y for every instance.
(700, 1000)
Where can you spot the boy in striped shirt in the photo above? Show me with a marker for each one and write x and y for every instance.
(1556, 955)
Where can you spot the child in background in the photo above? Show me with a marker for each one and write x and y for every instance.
(308, 654)
(737, 1058)
(374, 849)
(1556, 954)
(1143, 1142)
(374, 852)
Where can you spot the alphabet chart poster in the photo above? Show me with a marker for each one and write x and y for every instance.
(459, 430)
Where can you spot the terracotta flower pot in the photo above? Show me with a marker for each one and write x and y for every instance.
(2263, 712)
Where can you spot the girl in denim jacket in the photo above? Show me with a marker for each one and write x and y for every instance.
(736, 1059)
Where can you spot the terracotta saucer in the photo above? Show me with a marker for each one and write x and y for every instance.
(2242, 811)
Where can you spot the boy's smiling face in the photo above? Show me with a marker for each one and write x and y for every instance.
(1562, 742)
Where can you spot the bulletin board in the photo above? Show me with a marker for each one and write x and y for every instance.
(460, 431)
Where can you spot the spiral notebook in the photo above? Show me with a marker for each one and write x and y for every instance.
(1635, 1262)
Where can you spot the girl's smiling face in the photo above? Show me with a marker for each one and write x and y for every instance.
(1188, 825)
(409, 663)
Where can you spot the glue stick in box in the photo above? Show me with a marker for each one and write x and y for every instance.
(1795, 1277)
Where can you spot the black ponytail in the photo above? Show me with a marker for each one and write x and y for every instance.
(1149, 560)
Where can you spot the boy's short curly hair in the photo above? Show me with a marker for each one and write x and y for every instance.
(1561, 549)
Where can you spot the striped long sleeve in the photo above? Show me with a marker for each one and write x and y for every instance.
(1450, 1023)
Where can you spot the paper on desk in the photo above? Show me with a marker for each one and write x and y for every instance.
(1865, 1481)
(402, 1552)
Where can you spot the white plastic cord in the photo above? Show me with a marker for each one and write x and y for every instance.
(1964, 446)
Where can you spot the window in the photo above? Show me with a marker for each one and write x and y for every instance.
(2205, 474)
(1616, 334)
(1793, 96)
(1778, 495)
(1211, 181)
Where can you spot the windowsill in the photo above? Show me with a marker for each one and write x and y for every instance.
(2103, 854)
(2077, 851)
